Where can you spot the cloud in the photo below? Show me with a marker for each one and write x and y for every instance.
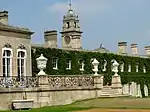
(105, 20)
(82, 6)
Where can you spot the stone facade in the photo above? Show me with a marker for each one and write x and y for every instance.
(43, 89)
(57, 90)
(14, 39)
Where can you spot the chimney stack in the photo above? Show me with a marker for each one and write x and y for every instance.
(122, 48)
(134, 49)
(4, 17)
(147, 50)
(50, 38)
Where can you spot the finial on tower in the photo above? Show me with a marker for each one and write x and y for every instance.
(70, 4)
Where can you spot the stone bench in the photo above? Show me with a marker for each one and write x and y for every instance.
(22, 104)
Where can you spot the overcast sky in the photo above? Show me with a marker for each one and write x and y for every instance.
(102, 21)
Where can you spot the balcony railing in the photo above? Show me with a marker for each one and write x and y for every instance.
(71, 82)
(18, 82)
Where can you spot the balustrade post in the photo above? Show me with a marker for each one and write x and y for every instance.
(116, 79)
(98, 82)
(43, 82)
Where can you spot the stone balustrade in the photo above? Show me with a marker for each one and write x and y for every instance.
(18, 82)
(52, 82)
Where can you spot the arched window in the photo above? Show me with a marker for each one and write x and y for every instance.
(122, 67)
(68, 25)
(21, 61)
(81, 65)
(7, 60)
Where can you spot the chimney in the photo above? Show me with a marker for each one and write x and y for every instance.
(147, 50)
(122, 48)
(4, 17)
(50, 38)
(134, 49)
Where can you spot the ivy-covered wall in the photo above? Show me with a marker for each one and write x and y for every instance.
(75, 56)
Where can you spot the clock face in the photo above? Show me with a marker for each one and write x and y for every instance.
(67, 39)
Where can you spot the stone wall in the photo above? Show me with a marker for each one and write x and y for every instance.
(54, 90)
(61, 90)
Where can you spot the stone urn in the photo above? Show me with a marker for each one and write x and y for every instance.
(95, 64)
(41, 64)
(115, 67)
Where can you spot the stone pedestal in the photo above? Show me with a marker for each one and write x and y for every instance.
(98, 85)
(98, 82)
(43, 81)
(116, 84)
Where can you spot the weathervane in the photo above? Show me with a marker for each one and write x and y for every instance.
(70, 4)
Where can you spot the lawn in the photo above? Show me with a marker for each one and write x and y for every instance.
(101, 104)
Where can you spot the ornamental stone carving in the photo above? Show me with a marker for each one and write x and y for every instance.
(95, 64)
(115, 67)
(41, 64)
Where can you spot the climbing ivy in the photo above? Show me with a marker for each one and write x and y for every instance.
(75, 56)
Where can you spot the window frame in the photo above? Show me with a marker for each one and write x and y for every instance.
(19, 58)
(81, 65)
(5, 48)
(56, 63)
(68, 64)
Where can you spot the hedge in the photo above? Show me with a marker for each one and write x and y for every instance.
(75, 56)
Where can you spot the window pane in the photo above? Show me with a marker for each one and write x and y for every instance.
(8, 61)
(19, 71)
(4, 71)
(8, 53)
(22, 71)
(18, 64)
(8, 70)
(22, 54)
(68, 63)
(22, 62)
(4, 62)
(4, 54)
(54, 62)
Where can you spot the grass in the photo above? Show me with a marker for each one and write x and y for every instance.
(111, 103)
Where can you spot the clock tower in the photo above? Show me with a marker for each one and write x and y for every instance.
(71, 34)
